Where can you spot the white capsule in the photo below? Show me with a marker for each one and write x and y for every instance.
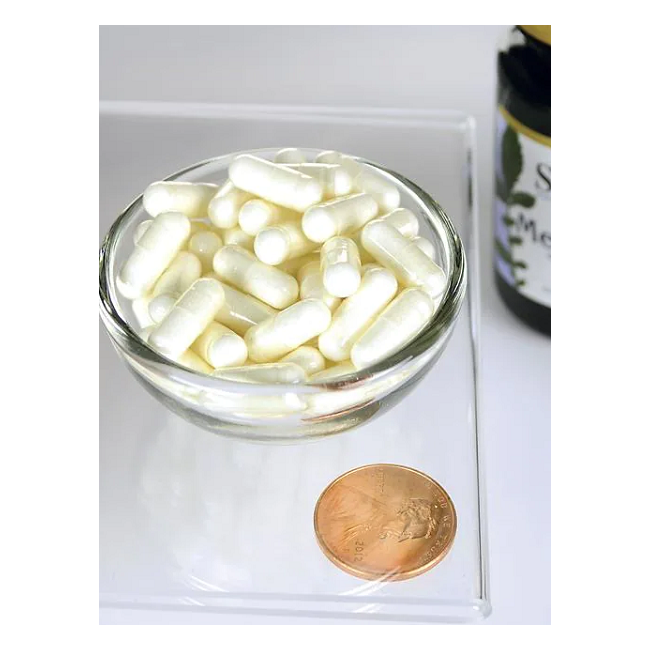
(340, 265)
(330, 402)
(409, 264)
(275, 244)
(193, 361)
(220, 346)
(188, 358)
(290, 155)
(152, 254)
(238, 406)
(338, 217)
(385, 193)
(404, 221)
(288, 330)
(160, 306)
(191, 199)
(237, 266)
(257, 214)
(140, 229)
(204, 245)
(179, 276)
(311, 285)
(336, 180)
(397, 325)
(293, 266)
(191, 314)
(328, 157)
(224, 207)
(338, 370)
(140, 308)
(264, 373)
(241, 311)
(425, 246)
(145, 333)
(237, 237)
(307, 357)
(275, 183)
(356, 313)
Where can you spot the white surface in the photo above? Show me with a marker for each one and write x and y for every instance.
(410, 67)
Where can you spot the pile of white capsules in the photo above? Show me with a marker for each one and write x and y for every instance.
(289, 272)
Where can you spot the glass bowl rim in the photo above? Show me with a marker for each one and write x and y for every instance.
(443, 319)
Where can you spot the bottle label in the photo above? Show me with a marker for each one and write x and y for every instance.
(523, 208)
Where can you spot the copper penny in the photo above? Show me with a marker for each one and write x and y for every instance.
(385, 522)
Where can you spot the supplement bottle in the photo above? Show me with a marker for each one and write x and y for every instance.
(522, 228)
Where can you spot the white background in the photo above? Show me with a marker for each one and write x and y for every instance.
(408, 67)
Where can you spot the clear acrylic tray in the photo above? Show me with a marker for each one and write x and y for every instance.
(193, 522)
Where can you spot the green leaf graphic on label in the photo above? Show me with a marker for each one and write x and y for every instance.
(511, 158)
(511, 167)
(521, 198)
(502, 252)
(502, 190)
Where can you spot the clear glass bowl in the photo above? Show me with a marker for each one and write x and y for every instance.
(279, 412)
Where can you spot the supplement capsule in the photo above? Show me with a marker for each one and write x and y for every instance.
(275, 244)
(404, 221)
(237, 266)
(340, 266)
(288, 330)
(330, 402)
(191, 199)
(383, 191)
(290, 155)
(338, 370)
(140, 229)
(356, 313)
(339, 216)
(307, 357)
(275, 183)
(152, 254)
(257, 214)
(328, 157)
(193, 361)
(336, 180)
(399, 323)
(364, 180)
(311, 285)
(140, 308)
(224, 208)
(204, 245)
(179, 276)
(409, 264)
(264, 373)
(241, 311)
(191, 314)
(237, 237)
(160, 306)
(220, 346)
(188, 359)
(425, 246)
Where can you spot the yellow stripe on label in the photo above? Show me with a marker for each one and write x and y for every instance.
(525, 130)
